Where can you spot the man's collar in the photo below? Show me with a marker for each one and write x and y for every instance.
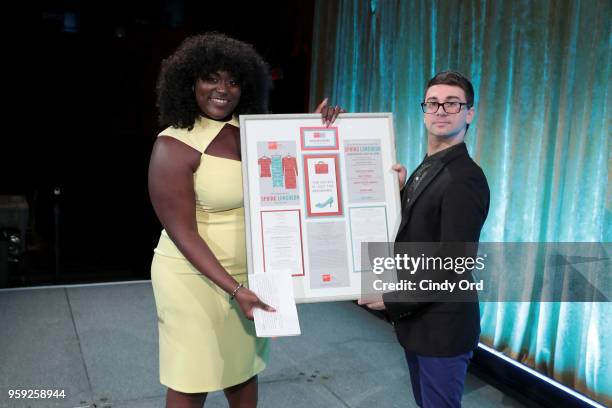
(449, 153)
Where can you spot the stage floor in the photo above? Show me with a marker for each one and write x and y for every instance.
(98, 343)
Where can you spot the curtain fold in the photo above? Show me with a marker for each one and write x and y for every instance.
(541, 72)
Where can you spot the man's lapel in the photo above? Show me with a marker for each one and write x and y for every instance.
(407, 205)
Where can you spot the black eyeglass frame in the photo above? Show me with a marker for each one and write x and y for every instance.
(443, 104)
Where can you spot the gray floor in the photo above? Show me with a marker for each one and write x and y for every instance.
(99, 344)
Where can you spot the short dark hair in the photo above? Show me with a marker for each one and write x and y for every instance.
(197, 57)
(456, 79)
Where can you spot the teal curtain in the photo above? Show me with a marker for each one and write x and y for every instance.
(542, 72)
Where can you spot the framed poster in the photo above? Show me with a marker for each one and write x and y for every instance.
(313, 194)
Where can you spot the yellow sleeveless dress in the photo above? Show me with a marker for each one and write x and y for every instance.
(205, 342)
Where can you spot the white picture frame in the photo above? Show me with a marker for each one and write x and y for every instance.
(312, 193)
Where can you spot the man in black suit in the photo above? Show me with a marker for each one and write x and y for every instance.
(445, 201)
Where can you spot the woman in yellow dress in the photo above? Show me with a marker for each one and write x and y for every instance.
(207, 338)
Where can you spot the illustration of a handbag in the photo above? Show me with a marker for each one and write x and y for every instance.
(321, 168)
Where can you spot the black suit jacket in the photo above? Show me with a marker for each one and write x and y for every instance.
(450, 205)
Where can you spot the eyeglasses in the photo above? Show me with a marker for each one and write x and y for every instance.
(449, 107)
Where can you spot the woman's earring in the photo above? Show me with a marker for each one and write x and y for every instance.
(192, 88)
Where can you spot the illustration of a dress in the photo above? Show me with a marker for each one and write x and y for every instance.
(277, 171)
(264, 166)
(290, 171)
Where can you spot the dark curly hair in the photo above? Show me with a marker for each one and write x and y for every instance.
(199, 56)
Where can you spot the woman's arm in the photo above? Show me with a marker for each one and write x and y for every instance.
(171, 190)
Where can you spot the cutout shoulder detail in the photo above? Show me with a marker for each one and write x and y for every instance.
(226, 144)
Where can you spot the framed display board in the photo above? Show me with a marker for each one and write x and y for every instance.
(313, 194)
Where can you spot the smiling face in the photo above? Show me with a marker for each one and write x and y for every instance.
(442, 125)
(217, 95)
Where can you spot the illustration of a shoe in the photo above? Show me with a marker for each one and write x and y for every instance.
(325, 203)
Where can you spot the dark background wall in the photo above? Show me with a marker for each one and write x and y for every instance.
(98, 62)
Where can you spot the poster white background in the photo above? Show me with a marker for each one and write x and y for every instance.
(317, 286)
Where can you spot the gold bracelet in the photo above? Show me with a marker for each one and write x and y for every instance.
(233, 295)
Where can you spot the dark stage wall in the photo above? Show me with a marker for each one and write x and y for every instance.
(98, 63)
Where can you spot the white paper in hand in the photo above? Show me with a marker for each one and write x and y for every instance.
(275, 289)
